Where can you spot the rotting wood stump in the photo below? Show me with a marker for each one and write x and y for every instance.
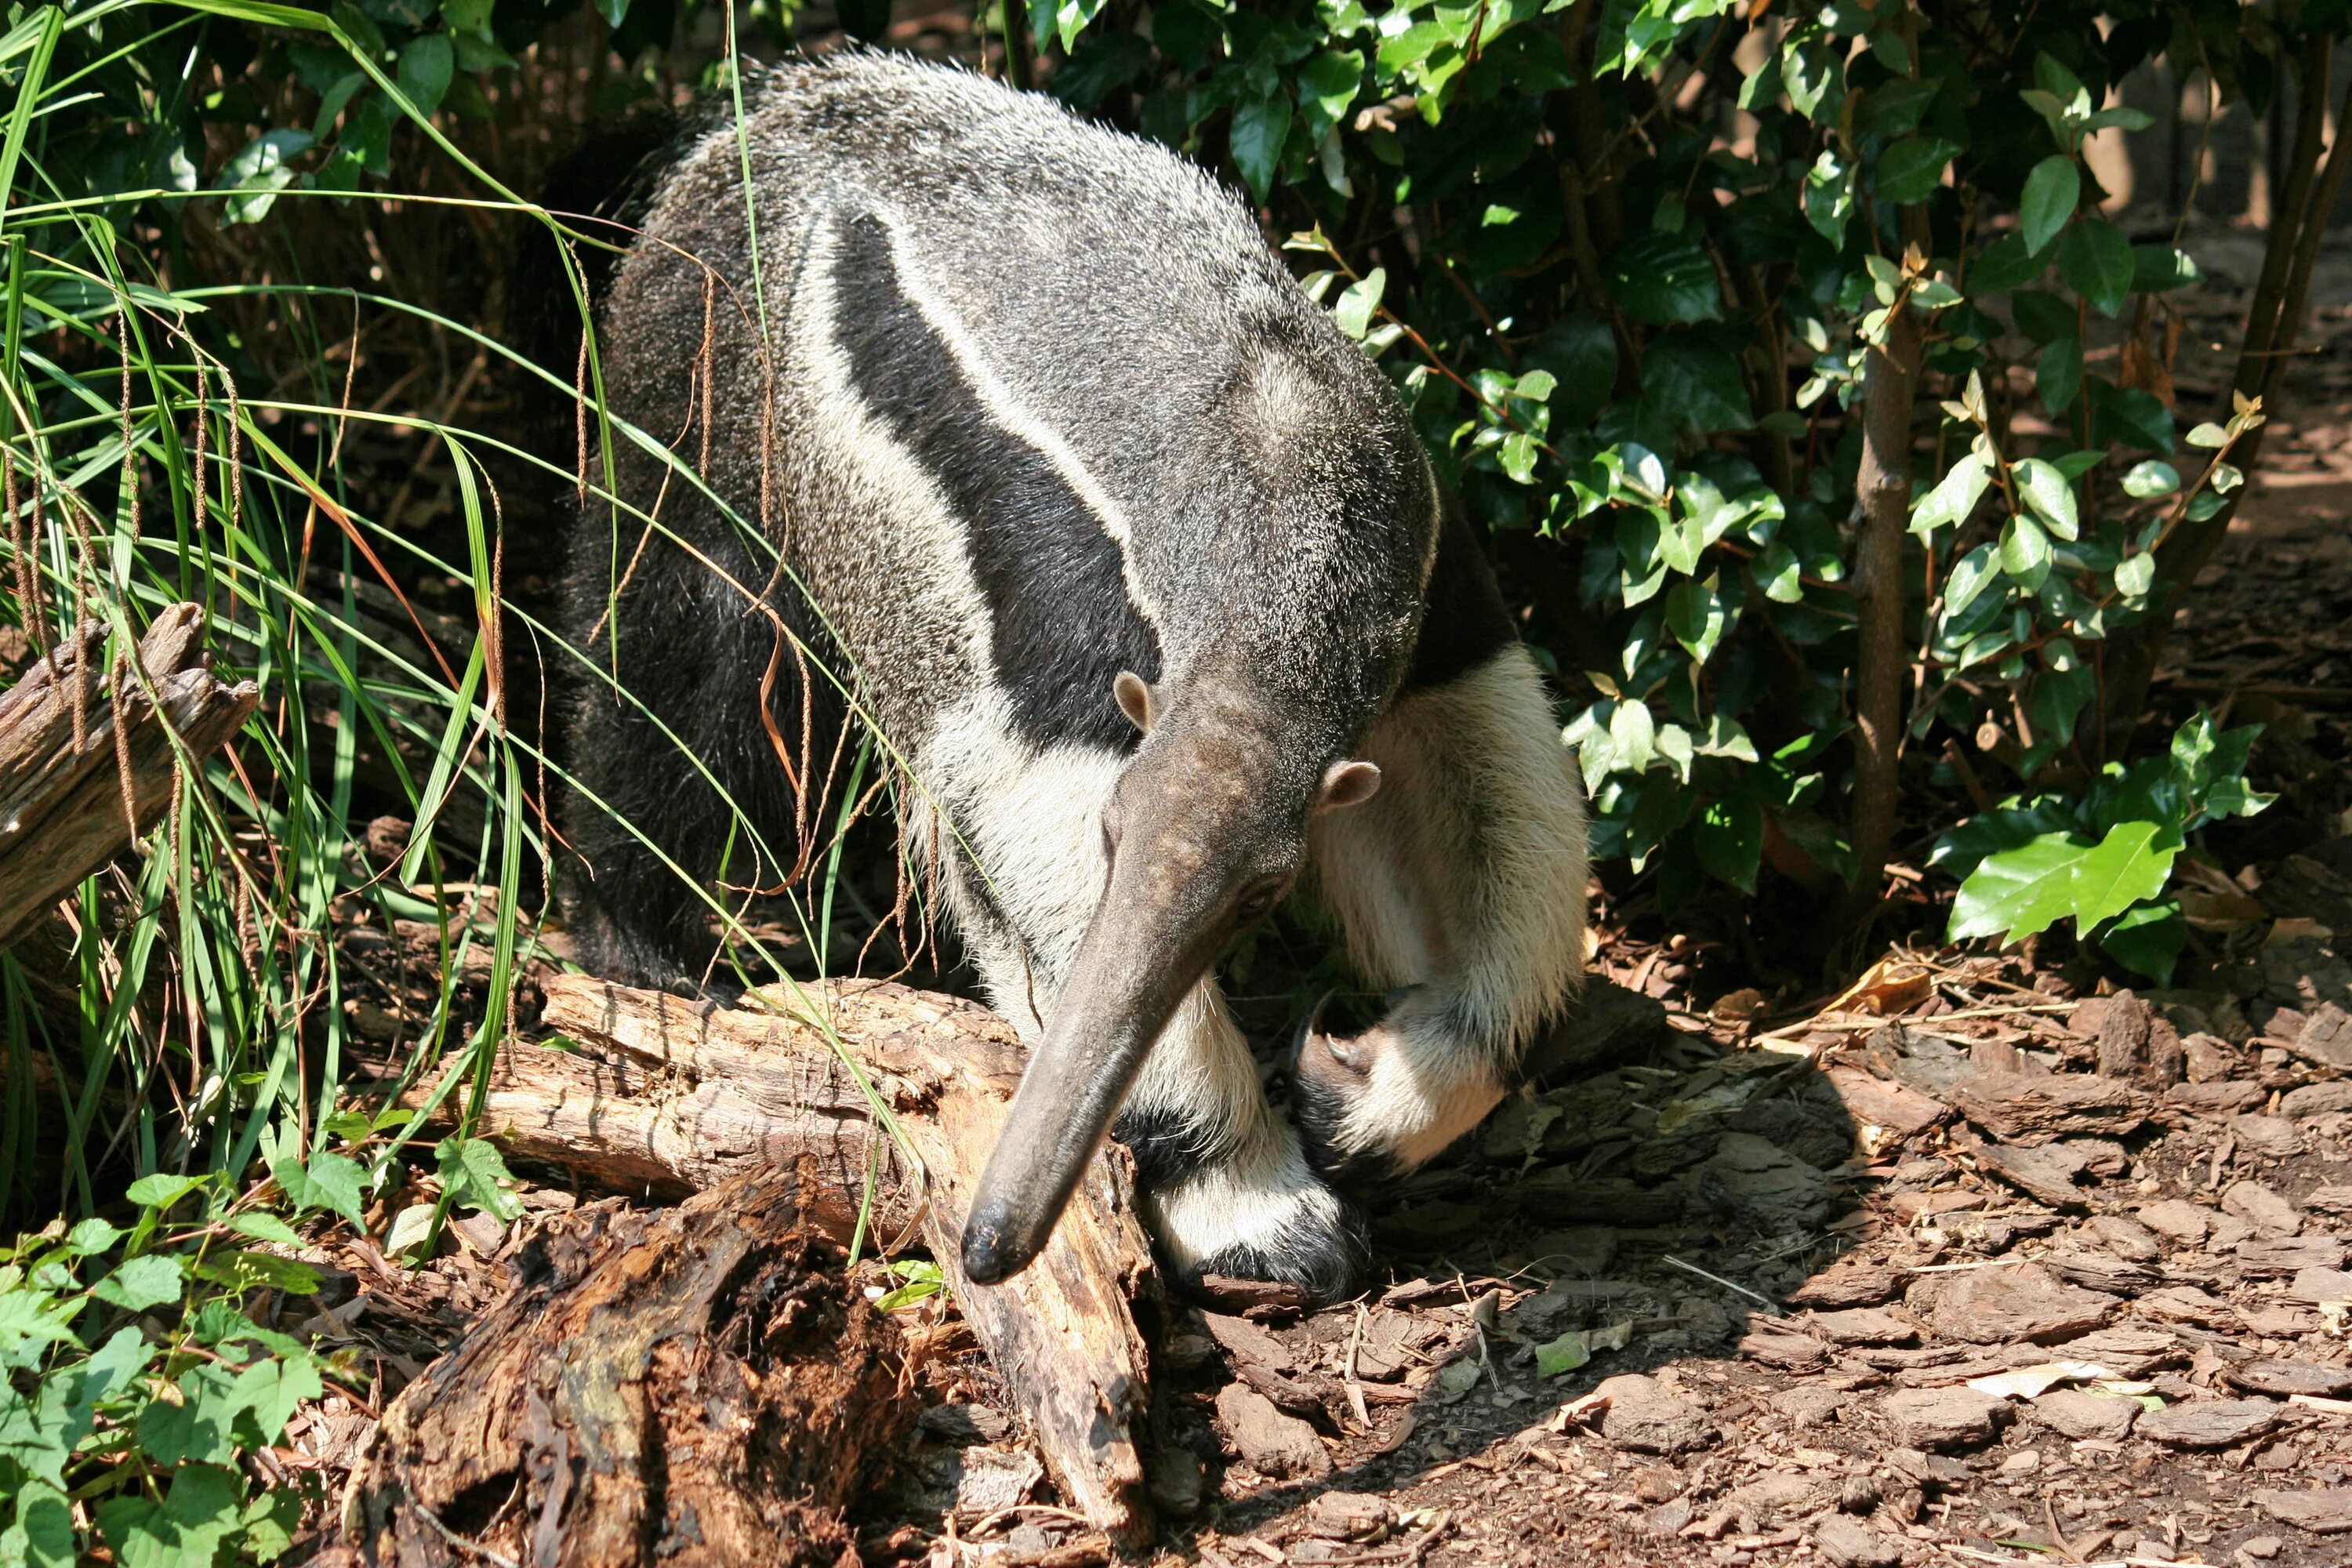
(692, 1386)
(652, 1093)
(74, 749)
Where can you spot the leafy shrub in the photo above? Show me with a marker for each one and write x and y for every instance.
(135, 1382)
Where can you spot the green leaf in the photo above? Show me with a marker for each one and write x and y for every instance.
(262, 1225)
(272, 1388)
(2160, 268)
(1353, 312)
(2058, 373)
(1954, 497)
(614, 12)
(1971, 575)
(2135, 575)
(1664, 279)
(142, 1282)
(1696, 384)
(2151, 478)
(1328, 86)
(2148, 938)
(475, 1176)
(1260, 128)
(326, 1181)
(1696, 615)
(2019, 892)
(43, 1534)
(2053, 191)
(1563, 1355)
(2052, 499)
(2095, 260)
(1777, 573)
(92, 1235)
(1729, 839)
(2026, 551)
(1829, 196)
(160, 1192)
(1910, 170)
(2005, 265)
(188, 1527)
(426, 66)
(256, 173)
(246, 1270)
(198, 1426)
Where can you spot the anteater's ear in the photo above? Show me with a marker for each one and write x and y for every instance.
(1136, 699)
(1346, 784)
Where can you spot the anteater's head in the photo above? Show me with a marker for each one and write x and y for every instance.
(1205, 832)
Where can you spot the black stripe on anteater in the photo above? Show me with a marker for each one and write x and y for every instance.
(1056, 595)
(1465, 623)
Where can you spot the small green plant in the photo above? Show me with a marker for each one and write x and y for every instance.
(2102, 857)
(136, 1384)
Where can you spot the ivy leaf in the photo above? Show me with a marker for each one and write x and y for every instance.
(142, 1282)
(2052, 192)
(475, 1176)
(2095, 260)
(1664, 279)
(43, 1535)
(2046, 491)
(326, 1181)
(198, 1426)
(1260, 128)
(1910, 170)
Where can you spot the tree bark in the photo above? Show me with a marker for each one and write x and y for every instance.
(687, 1387)
(84, 767)
(1883, 499)
(656, 1093)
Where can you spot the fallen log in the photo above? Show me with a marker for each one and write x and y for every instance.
(79, 760)
(696, 1384)
(644, 1092)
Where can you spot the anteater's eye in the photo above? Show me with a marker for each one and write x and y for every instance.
(1258, 901)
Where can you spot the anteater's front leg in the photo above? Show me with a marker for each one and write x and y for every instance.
(1461, 886)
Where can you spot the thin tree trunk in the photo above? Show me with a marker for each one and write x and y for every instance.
(1883, 498)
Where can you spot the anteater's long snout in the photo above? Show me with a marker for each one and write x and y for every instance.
(1148, 941)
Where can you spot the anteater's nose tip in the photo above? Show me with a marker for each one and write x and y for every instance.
(989, 1257)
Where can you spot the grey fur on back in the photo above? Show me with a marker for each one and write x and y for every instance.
(1124, 301)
